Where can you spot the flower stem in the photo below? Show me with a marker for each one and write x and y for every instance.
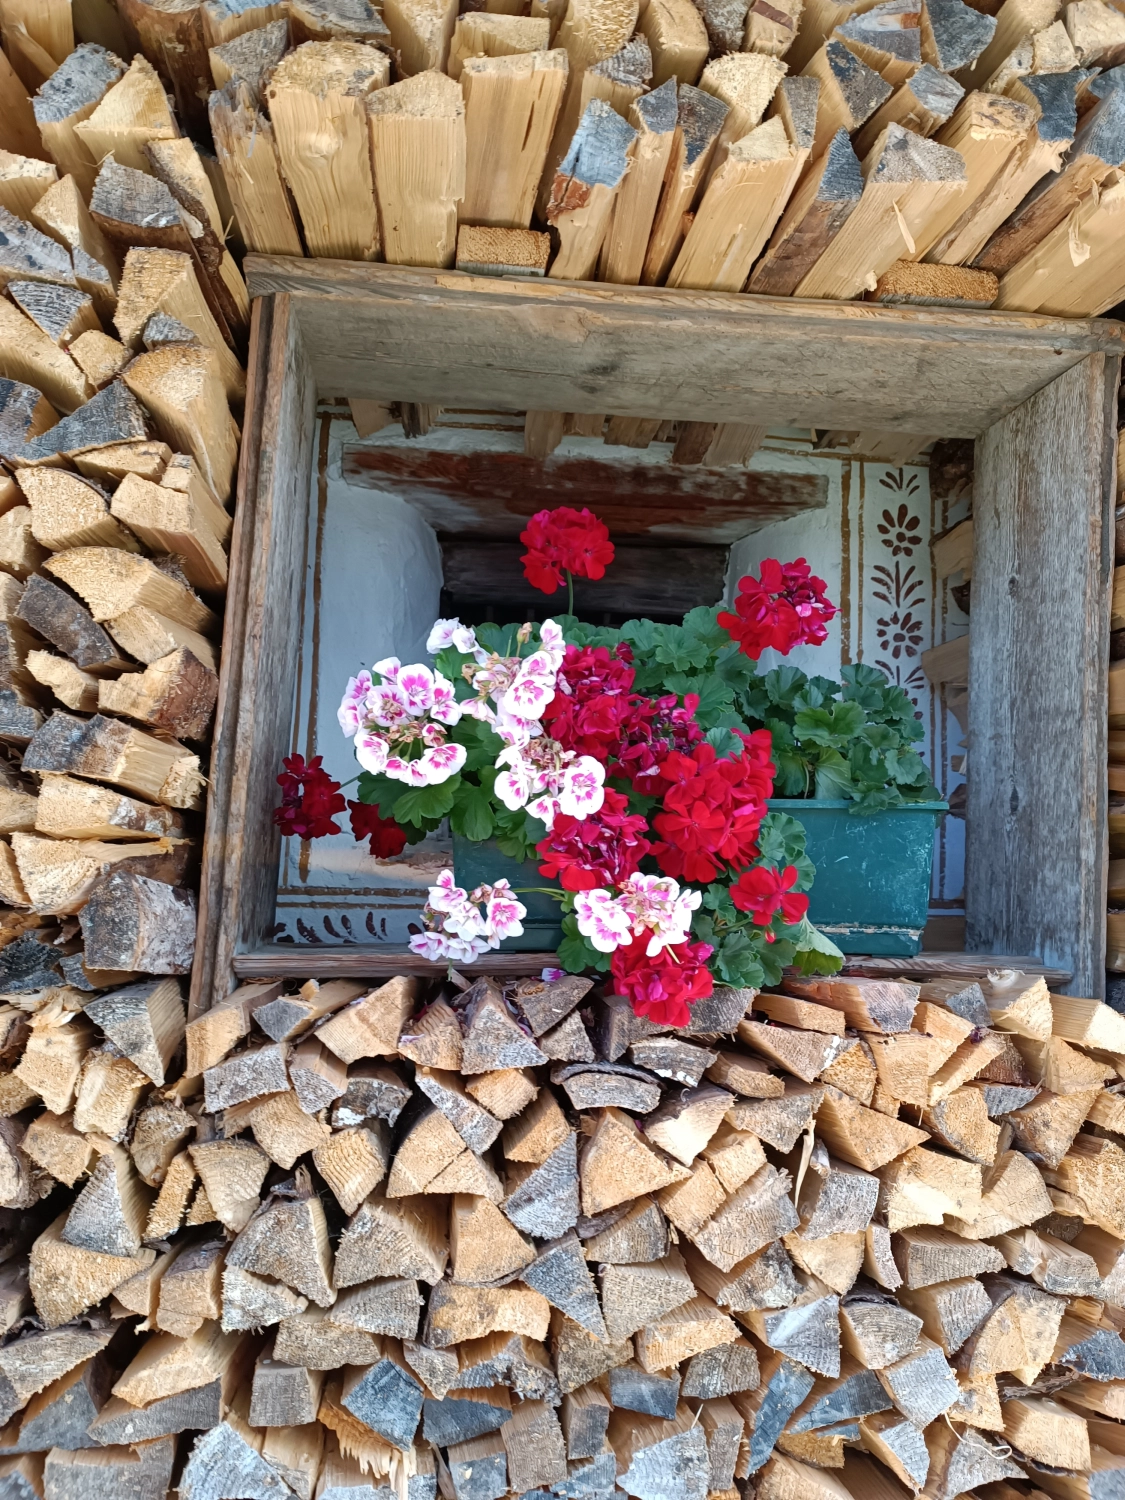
(538, 890)
(569, 592)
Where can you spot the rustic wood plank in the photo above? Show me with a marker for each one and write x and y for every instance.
(1043, 534)
(403, 333)
(251, 730)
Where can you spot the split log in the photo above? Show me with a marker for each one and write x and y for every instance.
(245, 146)
(699, 119)
(370, 1026)
(318, 93)
(417, 131)
(511, 108)
(851, 92)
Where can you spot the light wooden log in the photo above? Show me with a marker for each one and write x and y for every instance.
(317, 94)
(921, 105)
(417, 132)
(511, 107)
(131, 112)
(850, 91)
(62, 213)
(907, 182)
(749, 190)
(19, 132)
(887, 38)
(247, 152)
(249, 57)
(987, 131)
(67, 99)
(700, 118)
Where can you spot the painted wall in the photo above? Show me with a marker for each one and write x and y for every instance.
(373, 577)
(372, 581)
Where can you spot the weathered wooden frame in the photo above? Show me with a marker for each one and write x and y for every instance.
(1038, 394)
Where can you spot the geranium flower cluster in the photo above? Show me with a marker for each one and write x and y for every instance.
(602, 848)
(785, 607)
(713, 807)
(399, 724)
(597, 713)
(548, 780)
(563, 541)
(511, 692)
(311, 799)
(639, 808)
(458, 925)
(646, 927)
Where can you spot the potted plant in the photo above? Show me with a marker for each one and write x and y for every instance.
(610, 788)
(843, 751)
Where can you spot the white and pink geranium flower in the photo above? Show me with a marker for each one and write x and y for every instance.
(446, 633)
(644, 904)
(399, 723)
(547, 780)
(512, 692)
(459, 926)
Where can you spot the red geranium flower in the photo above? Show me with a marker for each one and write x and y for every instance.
(387, 838)
(713, 808)
(663, 988)
(562, 541)
(601, 850)
(595, 712)
(764, 891)
(594, 701)
(310, 799)
(651, 736)
(786, 608)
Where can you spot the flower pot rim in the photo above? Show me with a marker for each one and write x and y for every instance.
(838, 804)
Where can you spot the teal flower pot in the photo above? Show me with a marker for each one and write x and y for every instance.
(872, 888)
(484, 863)
(871, 893)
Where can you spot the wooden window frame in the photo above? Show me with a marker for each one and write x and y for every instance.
(1038, 395)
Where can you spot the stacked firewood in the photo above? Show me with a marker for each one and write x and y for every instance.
(933, 152)
(856, 1238)
(911, 153)
(122, 319)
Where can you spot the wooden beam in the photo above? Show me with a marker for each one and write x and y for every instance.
(1054, 452)
(401, 333)
(237, 906)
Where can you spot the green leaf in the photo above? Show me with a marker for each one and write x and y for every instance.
(816, 953)
(781, 839)
(833, 777)
(380, 792)
(738, 961)
(471, 816)
(424, 803)
(727, 744)
(832, 726)
(783, 684)
(576, 953)
(482, 743)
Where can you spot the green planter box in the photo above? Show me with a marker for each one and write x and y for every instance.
(871, 893)
(483, 864)
(872, 887)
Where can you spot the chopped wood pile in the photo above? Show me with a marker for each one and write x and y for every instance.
(926, 153)
(123, 322)
(858, 1238)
